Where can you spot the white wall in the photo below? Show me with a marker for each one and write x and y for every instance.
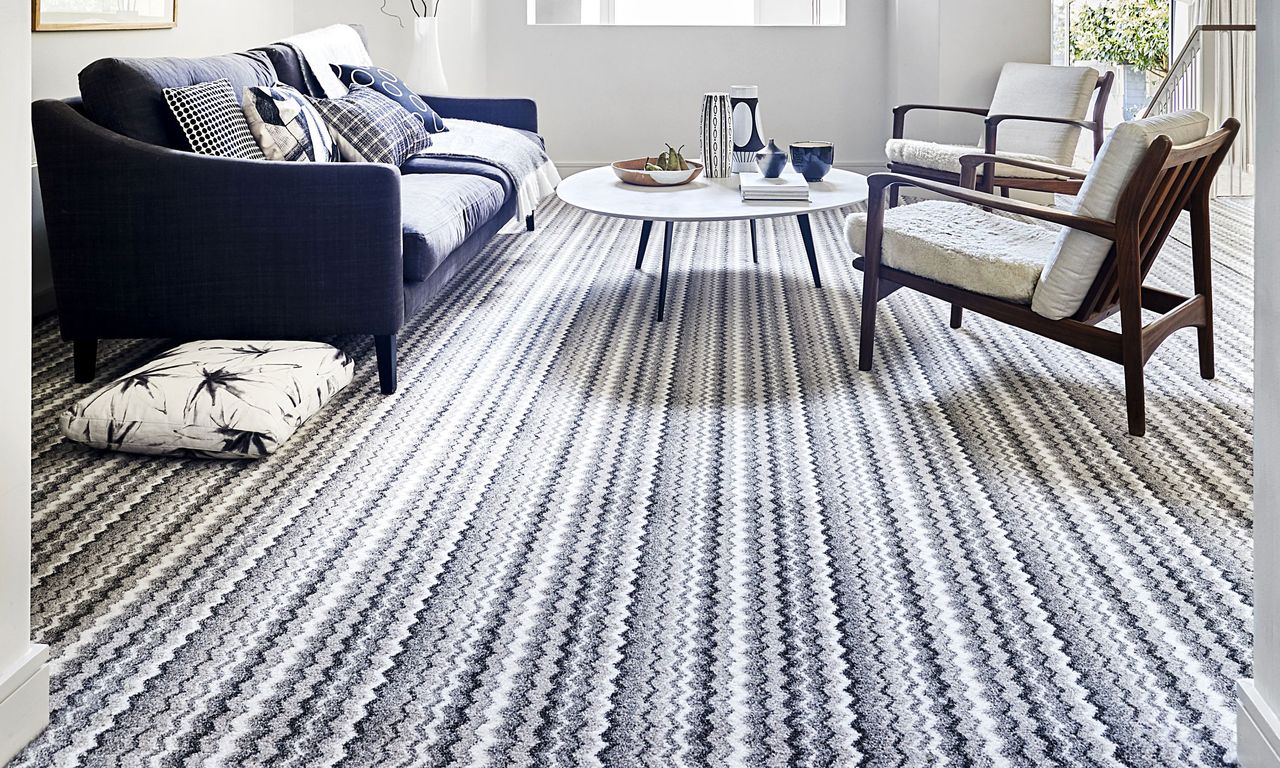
(24, 682)
(1258, 716)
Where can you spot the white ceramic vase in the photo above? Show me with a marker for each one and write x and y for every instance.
(426, 70)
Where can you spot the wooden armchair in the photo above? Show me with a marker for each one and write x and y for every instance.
(1059, 284)
(1036, 116)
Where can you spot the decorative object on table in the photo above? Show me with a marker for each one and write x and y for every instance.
(286, 126)
(812, 159)
(370, 128)
(642, 172)
(745, 101)
(426, 70)
(212, 120)
(771, 160)
(212, 399)
(390, 85)
(68, 15)
(716, 135)
(786, 186)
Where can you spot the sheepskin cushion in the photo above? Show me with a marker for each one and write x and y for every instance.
(1045, 91)
(212, 399)
(946, 157)
(1078, 256)
(961, 245)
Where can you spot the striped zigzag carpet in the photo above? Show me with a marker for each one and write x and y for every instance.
(578, 537)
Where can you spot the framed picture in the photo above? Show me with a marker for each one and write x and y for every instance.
(65, 15)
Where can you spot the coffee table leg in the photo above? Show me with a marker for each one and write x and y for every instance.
(645, 229)
(754, 255)
(806, 232)
(666, 264)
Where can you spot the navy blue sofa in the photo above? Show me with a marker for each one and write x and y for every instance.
(149, 240)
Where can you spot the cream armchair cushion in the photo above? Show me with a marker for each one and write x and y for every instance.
(961, 245)
(946, 157)
(1077, 256)
(1044, 91)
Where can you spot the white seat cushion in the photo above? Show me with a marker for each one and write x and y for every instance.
(946, 157)
(961, 245)
(1078, 256)
(1044, 91)
(213, 399)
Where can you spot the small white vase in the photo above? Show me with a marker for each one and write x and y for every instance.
(426, 70)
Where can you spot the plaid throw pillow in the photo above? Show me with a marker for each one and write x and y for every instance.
(370, 128)
(286, 126)
(391, 86)
(212, 120)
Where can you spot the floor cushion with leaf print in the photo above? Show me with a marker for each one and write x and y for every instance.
(212, 399)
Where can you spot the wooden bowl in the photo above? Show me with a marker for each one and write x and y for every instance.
(633, 172)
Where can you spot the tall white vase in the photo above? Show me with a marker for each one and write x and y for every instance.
(426, 70)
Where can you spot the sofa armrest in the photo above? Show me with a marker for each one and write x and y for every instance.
(151, 242)
(521, 114)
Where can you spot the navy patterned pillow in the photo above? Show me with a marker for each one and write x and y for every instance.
(391, 86)
(286, 126)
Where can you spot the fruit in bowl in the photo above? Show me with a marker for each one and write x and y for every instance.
(669, 169)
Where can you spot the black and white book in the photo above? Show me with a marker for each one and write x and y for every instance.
(789, 186)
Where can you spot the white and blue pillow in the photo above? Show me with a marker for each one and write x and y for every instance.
(286, 125)
(390, 85)
(370, 128)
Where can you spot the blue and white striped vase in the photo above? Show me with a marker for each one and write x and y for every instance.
(716, 135)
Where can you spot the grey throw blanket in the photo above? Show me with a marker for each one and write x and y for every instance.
(532, 173)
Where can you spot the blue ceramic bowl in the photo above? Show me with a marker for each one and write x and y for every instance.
(813, 158)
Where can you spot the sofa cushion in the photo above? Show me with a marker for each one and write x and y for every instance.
(127, 95)
(1078, 256)
(946, 157)
(212, 399)
(440, 211)
(213, 121)
(961, 245)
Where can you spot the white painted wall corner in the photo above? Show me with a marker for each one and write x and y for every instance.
(1257, 729)
(24, 701)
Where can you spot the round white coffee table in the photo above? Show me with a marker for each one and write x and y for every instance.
(599, 191)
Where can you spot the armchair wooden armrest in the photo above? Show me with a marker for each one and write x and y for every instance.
(969, 168)
(879, 182)
(900, 114)
(993, 125)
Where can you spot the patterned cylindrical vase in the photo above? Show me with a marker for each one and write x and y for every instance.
(716, 135)
(745, 101)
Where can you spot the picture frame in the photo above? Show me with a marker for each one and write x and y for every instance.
(79, 15)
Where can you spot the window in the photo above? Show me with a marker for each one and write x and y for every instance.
(807, 13)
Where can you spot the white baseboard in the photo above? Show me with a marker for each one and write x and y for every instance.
(567, 168)
(1257, 729)
(24, 702)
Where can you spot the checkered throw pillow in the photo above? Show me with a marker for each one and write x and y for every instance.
(370, 128)
(212, 120)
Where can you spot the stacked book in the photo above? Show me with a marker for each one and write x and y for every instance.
(790, 186)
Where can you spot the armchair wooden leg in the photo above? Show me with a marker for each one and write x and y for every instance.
(893, 196)
(1201, 265)
(1135, 397)
(957, 315)
(84, 357)
(386, 349)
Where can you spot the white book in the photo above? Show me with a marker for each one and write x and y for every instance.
(789, 186)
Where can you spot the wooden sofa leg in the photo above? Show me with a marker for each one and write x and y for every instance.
(85, 359)
(957, 316)
(386, 349)
(529, 222)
